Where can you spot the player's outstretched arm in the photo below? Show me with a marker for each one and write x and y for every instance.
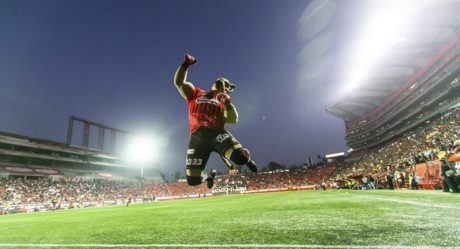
(180, 77)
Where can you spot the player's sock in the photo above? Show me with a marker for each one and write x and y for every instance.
(252, 166)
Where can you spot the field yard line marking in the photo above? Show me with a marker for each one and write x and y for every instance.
(224, 246)
(408, 202)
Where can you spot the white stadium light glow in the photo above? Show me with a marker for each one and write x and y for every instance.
(339, 154)
(140, 150)
(384, 27)
(354, 78)
(398, 40)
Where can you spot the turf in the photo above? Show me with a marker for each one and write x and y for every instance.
(303, 219)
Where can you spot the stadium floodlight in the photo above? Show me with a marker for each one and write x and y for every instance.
(383, 28)
(140, 150)
(354, 78)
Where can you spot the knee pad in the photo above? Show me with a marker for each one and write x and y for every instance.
(193, 181)
(240, 156)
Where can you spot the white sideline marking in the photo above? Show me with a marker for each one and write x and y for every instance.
(221, 246)
(416, 203)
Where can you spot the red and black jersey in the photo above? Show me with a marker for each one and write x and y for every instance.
(206, 109)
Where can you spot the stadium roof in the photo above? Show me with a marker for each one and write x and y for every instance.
(430, 28)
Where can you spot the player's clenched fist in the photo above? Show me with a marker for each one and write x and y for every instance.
(189, 60)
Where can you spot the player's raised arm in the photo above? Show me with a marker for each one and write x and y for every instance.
(180, 78)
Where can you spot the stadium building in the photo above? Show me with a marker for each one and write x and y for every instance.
(414, 82)
(42, 175)
(24, 156)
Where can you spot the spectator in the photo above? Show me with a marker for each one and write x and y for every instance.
(371, 181)
(448, 174)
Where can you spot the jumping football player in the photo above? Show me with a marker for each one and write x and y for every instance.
(208, 112)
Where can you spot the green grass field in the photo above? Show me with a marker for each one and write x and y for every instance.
(331, 219)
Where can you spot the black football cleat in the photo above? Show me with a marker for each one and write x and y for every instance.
(210, 180)
(252, 166)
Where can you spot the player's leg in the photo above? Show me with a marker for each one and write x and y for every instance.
(241, 156)
(228, 147)
(197, 156)
(227, 162)
(195, 164)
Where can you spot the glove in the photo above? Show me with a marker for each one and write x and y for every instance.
(189, 60)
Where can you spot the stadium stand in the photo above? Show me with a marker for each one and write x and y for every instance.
(39, 175)
(183, 190)
(403, 155)
(402, 122)
(42, 185)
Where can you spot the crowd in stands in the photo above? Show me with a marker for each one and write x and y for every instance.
(391, 166)
(21, 194)
(286, 179)
(17, 193)
(182, 189)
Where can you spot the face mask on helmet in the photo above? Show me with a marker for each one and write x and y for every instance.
(223, 84)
